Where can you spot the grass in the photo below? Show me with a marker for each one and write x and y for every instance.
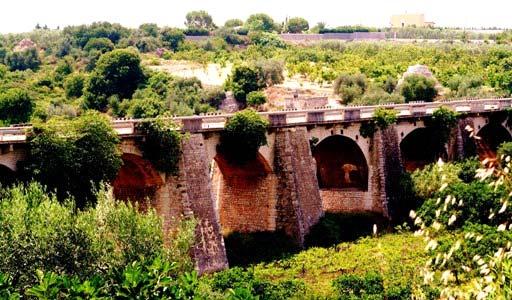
(397, 257)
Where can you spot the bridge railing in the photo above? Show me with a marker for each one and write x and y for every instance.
(290, 117)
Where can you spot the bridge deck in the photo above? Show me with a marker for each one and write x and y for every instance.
(286, 118)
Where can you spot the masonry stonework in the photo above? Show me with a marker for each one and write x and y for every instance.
(299, 205)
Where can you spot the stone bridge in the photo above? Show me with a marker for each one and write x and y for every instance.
(294, 180)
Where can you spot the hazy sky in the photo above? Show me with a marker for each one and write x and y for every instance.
(23, 15)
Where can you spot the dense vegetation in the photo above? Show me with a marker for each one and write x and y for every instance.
(107, 67)
(64, 236)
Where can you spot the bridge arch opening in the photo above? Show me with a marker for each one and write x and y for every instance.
(245, 194)
(420, 148)
(492, 135)
(341, 164)
(137, 180)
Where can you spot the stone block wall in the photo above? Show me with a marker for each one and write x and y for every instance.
(299, 205)
(209, 252)
(247, 204)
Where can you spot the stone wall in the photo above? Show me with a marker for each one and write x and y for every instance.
(209, 252)
(299, 205)
(245, 202)
(345, 201)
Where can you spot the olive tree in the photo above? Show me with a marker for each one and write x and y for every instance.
(297, 25)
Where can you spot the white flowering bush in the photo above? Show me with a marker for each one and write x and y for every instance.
(468, 235)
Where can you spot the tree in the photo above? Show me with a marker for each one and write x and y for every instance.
(102, 45)
(418, 88)
(23, 60)
(256, 98)
(117, 73)
(243, 80)
(74, 86)
(16, 106)
(243, 135)
(199, 19)
(172, 37)
(149, 29)
(74, 157)
(297, 25)
(350, 87)
(260, 22)
(231, 23)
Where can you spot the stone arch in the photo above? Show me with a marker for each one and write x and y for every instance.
(137, 180)
(245, 195)
(420, 148)
(492, 135)
(341, 164)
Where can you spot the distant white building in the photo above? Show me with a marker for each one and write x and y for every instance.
(410, 20)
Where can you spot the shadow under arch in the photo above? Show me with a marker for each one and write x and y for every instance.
(341, 164)
(420, 148)
(7, 176)
(245, 194)
(137, 180)
(492, 135)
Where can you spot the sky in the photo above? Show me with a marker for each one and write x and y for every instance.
(23, 15)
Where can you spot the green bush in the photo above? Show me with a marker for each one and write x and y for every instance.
(41, 233)
(370, 286)
(23, 60)
(162, 144)
(429, 180)
(242, 81)
(418, 88)
(74, 86)
(243, 284)
(256, 99)
(350, 87)
(16, 106)
(102, 45)
(382, 119)
(74, 156)
(242, 136)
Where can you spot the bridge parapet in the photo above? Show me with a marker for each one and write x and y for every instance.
(291, 117)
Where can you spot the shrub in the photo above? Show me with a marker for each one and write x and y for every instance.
(74, 156)
(146, 108)
(172, 38)
(242, 136)
(213, 97)
(442, 122)
(162, 144)
(23, 60)
(256, 99)
(350, 87)
(418, 88)
(242, 81)
(16, 106)
(74, 86)
(429, 180)
(270, 72)
(102, 45)
(353, 286)
(382, 119)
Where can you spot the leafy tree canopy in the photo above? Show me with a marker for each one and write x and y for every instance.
(199, 19)
(117, 73)
(74, 157)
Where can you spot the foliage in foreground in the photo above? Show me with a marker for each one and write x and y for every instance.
(39, 233)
